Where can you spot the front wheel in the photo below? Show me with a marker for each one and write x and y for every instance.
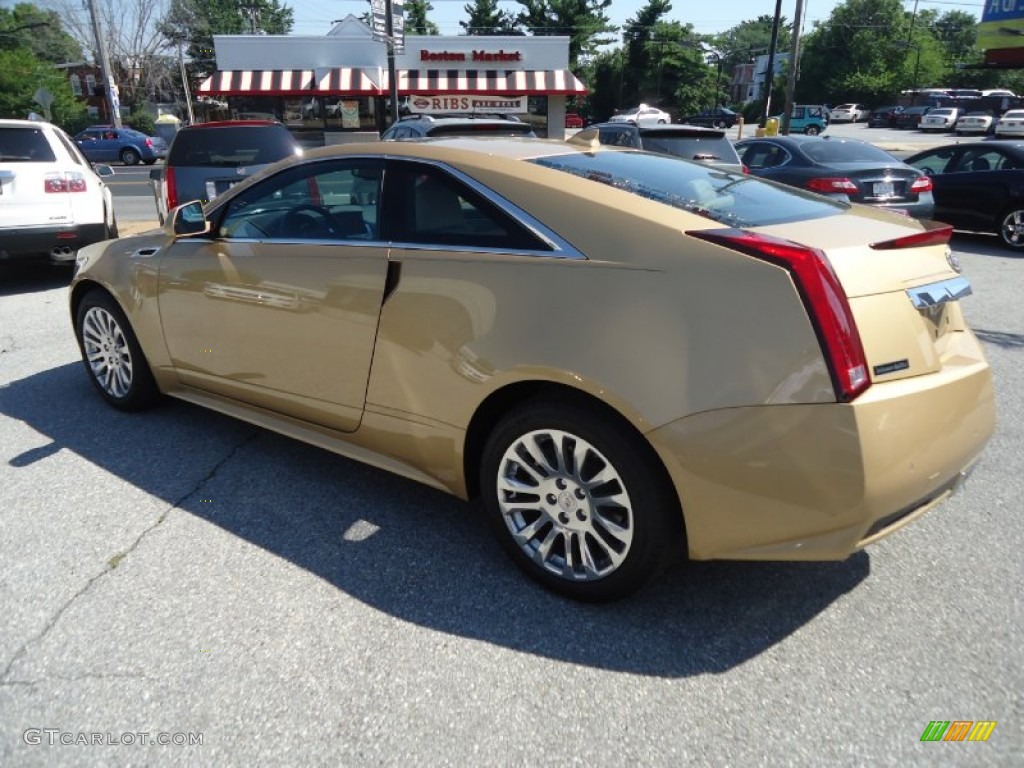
(1011, 228)
(812, 130)
(112, 355)
(578, 501)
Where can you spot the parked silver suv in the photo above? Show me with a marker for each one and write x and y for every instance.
(207, 159)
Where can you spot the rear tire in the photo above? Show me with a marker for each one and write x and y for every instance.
(812, 130)
(1011, 228)
(578, 500)
(129, 156)
(111, 354)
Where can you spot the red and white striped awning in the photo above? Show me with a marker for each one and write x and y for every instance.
(343, 81)
(259, 82)
(520, 82)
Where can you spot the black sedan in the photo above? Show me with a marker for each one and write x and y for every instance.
(883, 117)
(845, 169)
(719, 117)
(979, 186)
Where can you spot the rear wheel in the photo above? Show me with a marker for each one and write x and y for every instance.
(811, 130)
(129, 156)
(1011, 228)
(578, 501)
(112, 355)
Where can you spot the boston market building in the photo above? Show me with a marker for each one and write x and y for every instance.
(337, 86)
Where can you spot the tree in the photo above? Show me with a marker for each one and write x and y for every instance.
(39, 30)
(22, 74)
(484, 18)
(583, 21)
(864, 52)
(643, 54)
(416, 21)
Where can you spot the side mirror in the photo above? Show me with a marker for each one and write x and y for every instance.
(187, 220)
(103, 170)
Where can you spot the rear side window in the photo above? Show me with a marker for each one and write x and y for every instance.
(734, 199)
(231, 147)
(25, 145)
(694, 148)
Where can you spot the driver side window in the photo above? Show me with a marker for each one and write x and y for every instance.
(329, 201)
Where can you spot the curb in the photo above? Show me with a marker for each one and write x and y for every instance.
(127, 228)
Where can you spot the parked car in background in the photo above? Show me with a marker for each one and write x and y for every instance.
(719, 117)
(909, 117)
(106, 144)
(979, 186)
(884, 117)
(690, 142)
(939, 120)
(810, 119)
(975, 123)
(53, 201)
(845, 169)
(573, 120)
(849, 113)
(207, 159)
(426, 126)
(743, 371)
(641, 115)
(1010, 125)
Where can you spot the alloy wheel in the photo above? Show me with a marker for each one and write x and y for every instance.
(106, 351)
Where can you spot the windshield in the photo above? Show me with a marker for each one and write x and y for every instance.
(734, 199)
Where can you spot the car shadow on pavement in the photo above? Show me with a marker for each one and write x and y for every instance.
(414, 552)
(32, 277)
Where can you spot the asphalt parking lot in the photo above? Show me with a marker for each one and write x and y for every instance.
(179, 577)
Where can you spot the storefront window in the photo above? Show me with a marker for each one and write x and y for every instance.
(309, 113)
(537, 115)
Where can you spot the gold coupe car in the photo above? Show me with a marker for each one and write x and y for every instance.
(627, 356)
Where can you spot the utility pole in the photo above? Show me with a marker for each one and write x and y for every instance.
(184, 83)
(769, 75)
(392, 75)
(794, 63)
(109, 86)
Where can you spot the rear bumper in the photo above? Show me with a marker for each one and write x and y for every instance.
(58, 243)
(818, 482)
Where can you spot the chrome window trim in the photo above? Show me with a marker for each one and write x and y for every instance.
(935, 294)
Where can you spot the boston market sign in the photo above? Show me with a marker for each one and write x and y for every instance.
(484, 56)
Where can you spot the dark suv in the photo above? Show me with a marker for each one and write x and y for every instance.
(690, 142)
(207, 159)
(424, 126)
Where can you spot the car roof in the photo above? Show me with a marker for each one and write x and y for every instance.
(676, 129)
(451, 147)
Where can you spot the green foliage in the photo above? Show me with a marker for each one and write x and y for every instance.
(38, 30)
(193, 23)
(484, 18)
(22, 75)
(644, 52)
(141, 120)
(416, 21)
(583, 21)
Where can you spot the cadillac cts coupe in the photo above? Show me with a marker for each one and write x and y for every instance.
(626, 356)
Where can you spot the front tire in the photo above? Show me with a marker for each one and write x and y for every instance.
(112, 355)
(1011, 228)
(578, 501)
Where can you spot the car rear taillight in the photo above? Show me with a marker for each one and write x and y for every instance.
(829, 184)
(823, 298)
(149, 142)
(935, 233)
(922, 184)
(57, 183)
(172, 188)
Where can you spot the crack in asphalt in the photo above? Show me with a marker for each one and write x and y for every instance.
(115, 561)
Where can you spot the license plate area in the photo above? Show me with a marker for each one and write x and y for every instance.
(883, 189)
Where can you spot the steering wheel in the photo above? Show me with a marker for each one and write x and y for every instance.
(298, 223)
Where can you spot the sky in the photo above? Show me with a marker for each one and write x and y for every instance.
(314, 17)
